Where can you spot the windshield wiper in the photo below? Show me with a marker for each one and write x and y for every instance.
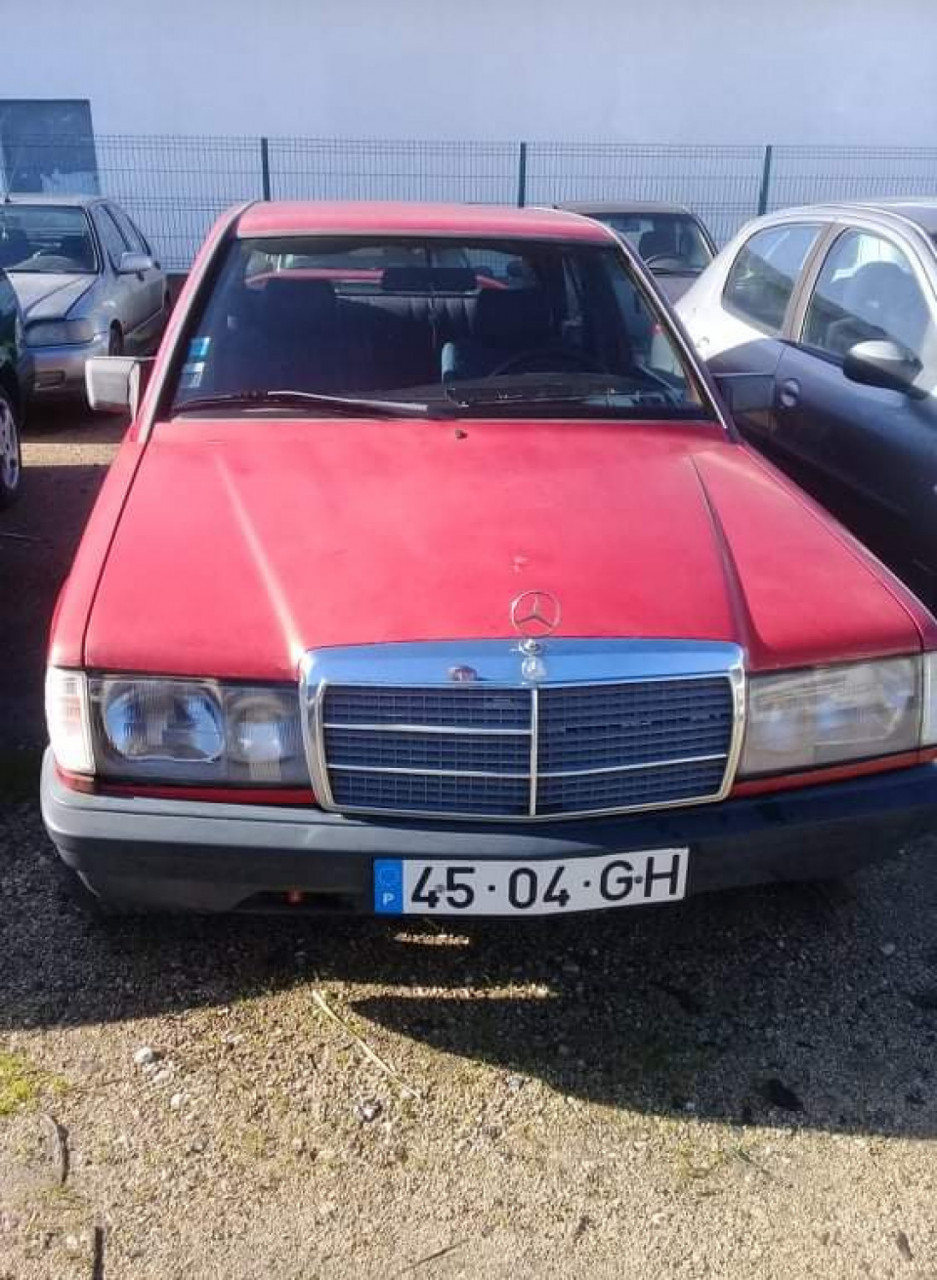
(356, 406)
(547, 394)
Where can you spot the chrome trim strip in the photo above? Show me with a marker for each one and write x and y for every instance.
(310, 700)
(739, 685)
(424, 665)
(433, 815)
(534, 748)
(428, 728)
(421, 773)
(927, 733)
(563, 773)
(632, 768)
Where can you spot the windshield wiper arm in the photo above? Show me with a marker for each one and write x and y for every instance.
(352, 405)
(547, 393)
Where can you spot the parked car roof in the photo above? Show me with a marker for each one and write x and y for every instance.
(590, 207)
(921, 211)
(43, 197)
(356, 217)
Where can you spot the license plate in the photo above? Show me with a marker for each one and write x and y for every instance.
(441, 887)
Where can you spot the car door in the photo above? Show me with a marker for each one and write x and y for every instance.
(118, 294)
(738, 325)
(869, 453)
(152, 282)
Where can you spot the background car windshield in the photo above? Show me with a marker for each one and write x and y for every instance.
(667, 241)
(414, 319)
(45, 238)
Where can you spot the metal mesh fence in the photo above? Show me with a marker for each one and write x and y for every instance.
(175, 186)
(328, 169)
(806, 175)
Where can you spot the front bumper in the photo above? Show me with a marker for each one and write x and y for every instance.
(189, 855)
(59, 372)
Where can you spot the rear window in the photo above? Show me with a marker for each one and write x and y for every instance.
(414, 318)
(764, 274)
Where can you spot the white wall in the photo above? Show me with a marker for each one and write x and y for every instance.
(739, 71)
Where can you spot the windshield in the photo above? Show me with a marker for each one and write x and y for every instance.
(46, 238)
(462, 324)
(665, 241)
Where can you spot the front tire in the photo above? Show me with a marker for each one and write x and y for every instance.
(11, 458)
(115, 342)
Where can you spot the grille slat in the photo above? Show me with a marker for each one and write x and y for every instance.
(661, 785)
(599, 747)
(453, 706)
(421, 793)
(431, 751)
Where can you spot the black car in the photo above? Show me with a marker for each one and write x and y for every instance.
(825, 318)
(669, 238)
(14, 382)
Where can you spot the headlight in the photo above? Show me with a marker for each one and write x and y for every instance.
(153, 722)
(832, 715)
(189, 732)
(59, 333)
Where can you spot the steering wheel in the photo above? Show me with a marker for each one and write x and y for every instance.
(576, 359)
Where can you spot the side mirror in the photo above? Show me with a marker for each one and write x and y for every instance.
(115, 384)
(746, 392)
(883, 363)
(132, 264)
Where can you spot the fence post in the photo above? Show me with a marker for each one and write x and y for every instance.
(765, 181)
(265, 166)
(522, 175)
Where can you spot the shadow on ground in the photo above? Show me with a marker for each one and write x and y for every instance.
(810, 1007)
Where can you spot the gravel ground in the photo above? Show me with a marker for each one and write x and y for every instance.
(735, 1086)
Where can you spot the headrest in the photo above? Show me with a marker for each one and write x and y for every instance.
(429, 280)
(511, 315)
(287, 302)
(14, 246)
(655, 243)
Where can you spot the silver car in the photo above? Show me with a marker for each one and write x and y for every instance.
(87, 283)
(821, 325)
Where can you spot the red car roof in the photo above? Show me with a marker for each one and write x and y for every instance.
(310, 217)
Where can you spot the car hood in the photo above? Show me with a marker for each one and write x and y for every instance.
(673, 285)
(243, 543)
(49, 295)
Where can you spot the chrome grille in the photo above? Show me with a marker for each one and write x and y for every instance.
(499, 750)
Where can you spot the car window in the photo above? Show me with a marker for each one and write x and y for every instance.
(867, 290)
(565, 322)
(763, 276)
(113, 241)
(45, 238)
(668, 242)
(129, 232)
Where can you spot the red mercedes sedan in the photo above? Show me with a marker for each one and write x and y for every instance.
(433, 577)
